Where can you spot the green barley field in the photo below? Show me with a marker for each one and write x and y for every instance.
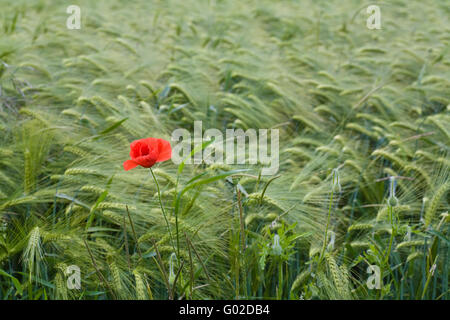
(358, 208)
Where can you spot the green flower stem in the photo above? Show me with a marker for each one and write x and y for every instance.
(162, 209)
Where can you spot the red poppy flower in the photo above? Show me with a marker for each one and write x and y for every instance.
(146, 152)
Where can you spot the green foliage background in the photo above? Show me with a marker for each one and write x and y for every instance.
(368, 103)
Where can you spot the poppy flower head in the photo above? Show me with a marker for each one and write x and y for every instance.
(147, 152)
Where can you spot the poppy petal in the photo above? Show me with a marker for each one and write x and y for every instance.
(146, 161)
(129, 164)
(135, 149)
(165, 151)
(152, 143)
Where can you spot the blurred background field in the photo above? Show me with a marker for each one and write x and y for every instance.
(368, 103)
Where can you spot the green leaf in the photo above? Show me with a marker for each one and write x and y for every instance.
(202, 182)
(16, 282)
(97, 203)
(114, 126)
(67, 197)
(94, 207)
